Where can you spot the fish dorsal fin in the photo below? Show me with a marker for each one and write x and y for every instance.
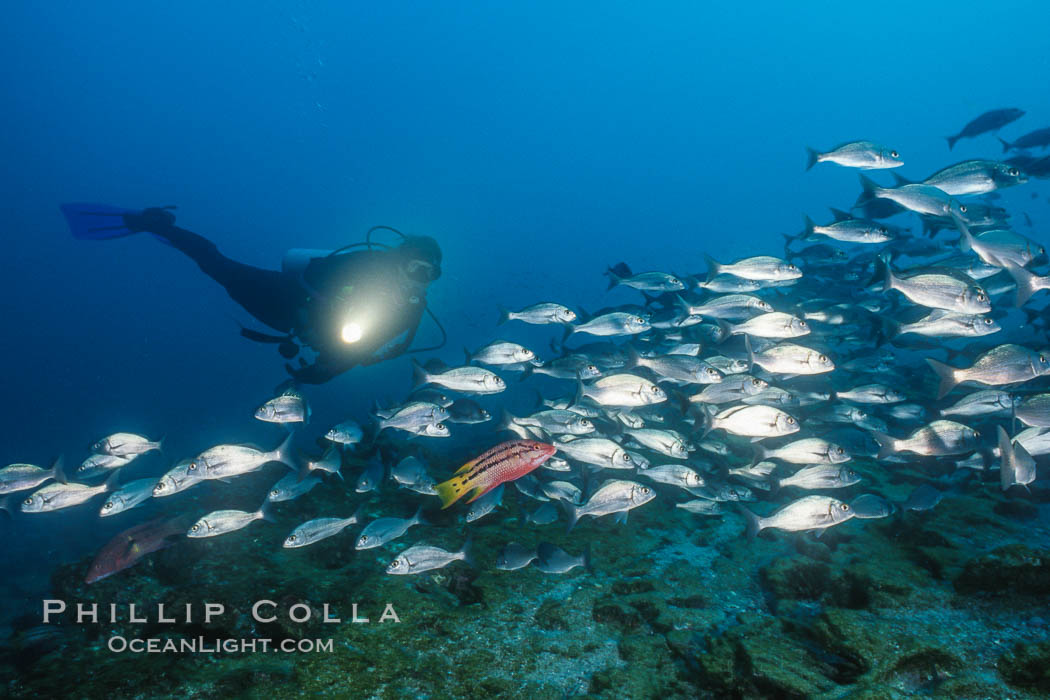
(840, 215)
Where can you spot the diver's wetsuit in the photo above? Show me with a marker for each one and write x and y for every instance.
(369, 288)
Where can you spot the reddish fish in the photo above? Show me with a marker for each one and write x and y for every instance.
(504, 462)
(129, 546)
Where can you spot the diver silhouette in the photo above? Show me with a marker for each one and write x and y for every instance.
(350, 306)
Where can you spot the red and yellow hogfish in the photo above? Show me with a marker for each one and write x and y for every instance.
(506, 461)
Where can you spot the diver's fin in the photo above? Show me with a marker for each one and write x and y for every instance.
(96, 221)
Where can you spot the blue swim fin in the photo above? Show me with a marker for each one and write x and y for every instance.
(97, 222)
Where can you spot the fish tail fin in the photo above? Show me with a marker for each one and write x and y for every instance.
(945, 374)
(754, 523)
(869, 191)
(266, 512)
(467, 356)
(951, 141)
(887, 444)
(713, 267)
(616, 273)
(812, 157)
(1025, 281)
(808, 227)
(1006, 460)
(750, 353)
(728, 329)
(284, 453)
(504, 316)
(966, 239)
(418, 518)
(573, 512)
(1006, 144)
(587, 560)
(758, 453)
(58, 469)
(707, 420)
(7, 506)
(465, 552)
(419, 374)
(888, 280)
(113, 482)
(452, 490)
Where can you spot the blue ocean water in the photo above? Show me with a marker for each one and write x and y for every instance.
(538, 143)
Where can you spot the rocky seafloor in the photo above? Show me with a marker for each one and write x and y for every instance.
(953, 602)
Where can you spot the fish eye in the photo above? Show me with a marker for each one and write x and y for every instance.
(585, 423)
(839, 450)
(962, 208)
(291, 538)
(1042, 360)
(981, 296)
(275, 492)
(195, 528)
(844, 507)
(28, 502)
(756, 382)
(790, 420)
(192, 467)
(526, 352)
(108, 505)
(1013, 172)
(987, 321)
(363, 539)
(441, 426)
(639, 319)
(711, 371)
(823, 358)
(802, 323)
(894, 154)
(645, 489)
(592, 368)
(655, 389)
(792, 267)
(499, 380)
(626, 457)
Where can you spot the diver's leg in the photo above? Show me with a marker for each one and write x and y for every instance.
(268, 295)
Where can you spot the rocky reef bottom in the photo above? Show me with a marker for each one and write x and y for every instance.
(951, 602)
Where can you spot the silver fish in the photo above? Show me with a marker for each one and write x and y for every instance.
(125, 445)
(291, 487)
(807, 513)
(346, 433)
(514, 556)
(129, 495)
(383, 530)
(222, 522)
(287, 408)
(466, 380)
(552, 560)
(543, 313)
(224, 461)
(863, 155)
(821, 476)
(58, 496)
(941, 437)
(614, 496)
(318, 529)
(18, 477)
(420, 558)
(1002, 365)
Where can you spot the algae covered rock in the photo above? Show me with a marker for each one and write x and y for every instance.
(1027, 666)
(1006, 571)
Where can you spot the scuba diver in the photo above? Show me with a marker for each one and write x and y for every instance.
(350, 308)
